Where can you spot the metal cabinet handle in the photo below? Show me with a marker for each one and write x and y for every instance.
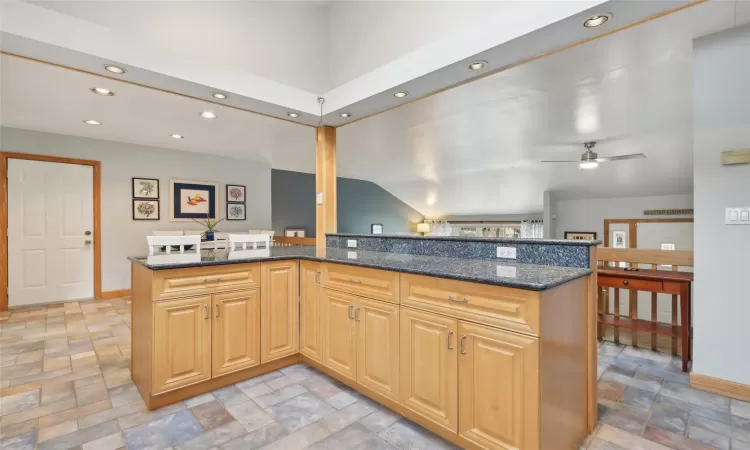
(349, 312)
(352, 280)
(218, 310)
(625, 282)
(356, 315)
(317, 277)
(205, 311)
(448, 340)
(457, 300)
(211, 280)
(461, 345)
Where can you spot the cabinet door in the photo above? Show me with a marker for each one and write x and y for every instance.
(498, 388)
(339, 339)
(182, 343)
(279, 310)
(377, 346)
(429, 366)
(236, 331)
(309, 313)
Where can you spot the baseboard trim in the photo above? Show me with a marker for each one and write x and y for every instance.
(726, 388)
(106, 295)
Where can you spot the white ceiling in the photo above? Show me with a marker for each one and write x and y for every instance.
(476, 149)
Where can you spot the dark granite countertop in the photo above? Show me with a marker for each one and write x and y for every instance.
(475, 239)
(524, 276)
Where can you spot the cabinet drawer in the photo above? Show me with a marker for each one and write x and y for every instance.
(370, 283)
(509, 308)
(638, 285)
(205, 280)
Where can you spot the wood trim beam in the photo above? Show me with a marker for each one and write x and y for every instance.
(647, 256)
(325, 184)
(4, 156)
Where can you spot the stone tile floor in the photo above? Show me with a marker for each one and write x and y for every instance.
(65, 383)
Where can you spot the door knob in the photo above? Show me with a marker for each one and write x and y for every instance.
(87, 242)
(87, 233)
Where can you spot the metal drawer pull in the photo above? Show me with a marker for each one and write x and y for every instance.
(349, 312)
(211, 280)
(218, 310)
(461, 345)
(448, 340)
(356, 315)
(317, 277)
(352, 280)
(457, 300)
(625, 282)
(205, 311)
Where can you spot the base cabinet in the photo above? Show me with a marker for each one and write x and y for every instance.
(377, 346)
(279, 328)
(339, 338)
(236, 341)
(496, 414)
(309, 310)
(182, 343)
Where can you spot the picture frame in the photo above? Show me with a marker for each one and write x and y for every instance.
(619, 239)
(236, 211)
(581, 235)
(235, 193)
(376, 228)
(144, 209)
(145, 187)
(295, 232)
(190, 200)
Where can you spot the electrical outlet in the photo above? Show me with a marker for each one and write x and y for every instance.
(351, 243)
(506, 252)
(506, 271)
(351, 255)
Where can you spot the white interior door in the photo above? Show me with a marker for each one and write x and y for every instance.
(50, 210)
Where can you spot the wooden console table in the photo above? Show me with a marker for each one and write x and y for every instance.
(657, 282)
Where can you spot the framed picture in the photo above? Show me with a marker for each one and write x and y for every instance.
(145, 188)
(581, 235)
(145, 209)
(190, 200)
(235, 193)
(236, 211)
(376, 228)
(295, 232)
(619, 239)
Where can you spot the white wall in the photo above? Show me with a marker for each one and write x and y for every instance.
(589, 214)
(721, 96)
(121, 235)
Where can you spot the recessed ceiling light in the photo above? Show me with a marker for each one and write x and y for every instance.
(596, 20)
(477, 65)
(115, 69)
(345, 115)
(176, 136)
(102, 91)
(400, 94)
(208, 115)
(92, 122)
(219, 95)
(292, 115)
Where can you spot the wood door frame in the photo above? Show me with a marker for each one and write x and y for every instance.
(4, 157)
(633, 227)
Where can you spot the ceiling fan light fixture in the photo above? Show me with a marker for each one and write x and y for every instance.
(596, 20)
(588, 165)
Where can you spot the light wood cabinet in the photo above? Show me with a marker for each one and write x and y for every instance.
(363, 281)
(235, 341)
(429, 366)
(309, 310)
(279, 329)
(377, 346)
(182, 343)
(498, 388)
(339, 333)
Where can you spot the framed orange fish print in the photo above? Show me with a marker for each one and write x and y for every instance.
(190, 200)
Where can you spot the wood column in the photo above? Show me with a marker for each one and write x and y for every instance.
(325, 184)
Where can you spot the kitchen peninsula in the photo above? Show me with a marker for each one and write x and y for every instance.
(489, 353)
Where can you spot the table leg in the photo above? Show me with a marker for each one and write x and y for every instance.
(600, 309)
(618, 314)
(685, 324)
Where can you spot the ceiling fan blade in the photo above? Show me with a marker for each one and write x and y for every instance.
(621, 157)
(569, 161)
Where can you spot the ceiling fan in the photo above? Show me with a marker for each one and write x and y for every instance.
(590, 160)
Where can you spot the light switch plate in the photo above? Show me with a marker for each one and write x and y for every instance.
(318, 198)
(351, 243)
(506, 252)
(737, 216)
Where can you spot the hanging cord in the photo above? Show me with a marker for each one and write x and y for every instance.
(321, 100)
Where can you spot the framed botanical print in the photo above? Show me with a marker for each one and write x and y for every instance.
(295, 232)
(145, 188)
(581, 235)
(190, 200)
(235, 193)
(145, 209)
(236, 211)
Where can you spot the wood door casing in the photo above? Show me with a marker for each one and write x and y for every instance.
(182, 343)
(378, 346)
(493, 414)
(235, 331)
(310, 319)
(339, 333)
(279, 309)
(429, 368)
